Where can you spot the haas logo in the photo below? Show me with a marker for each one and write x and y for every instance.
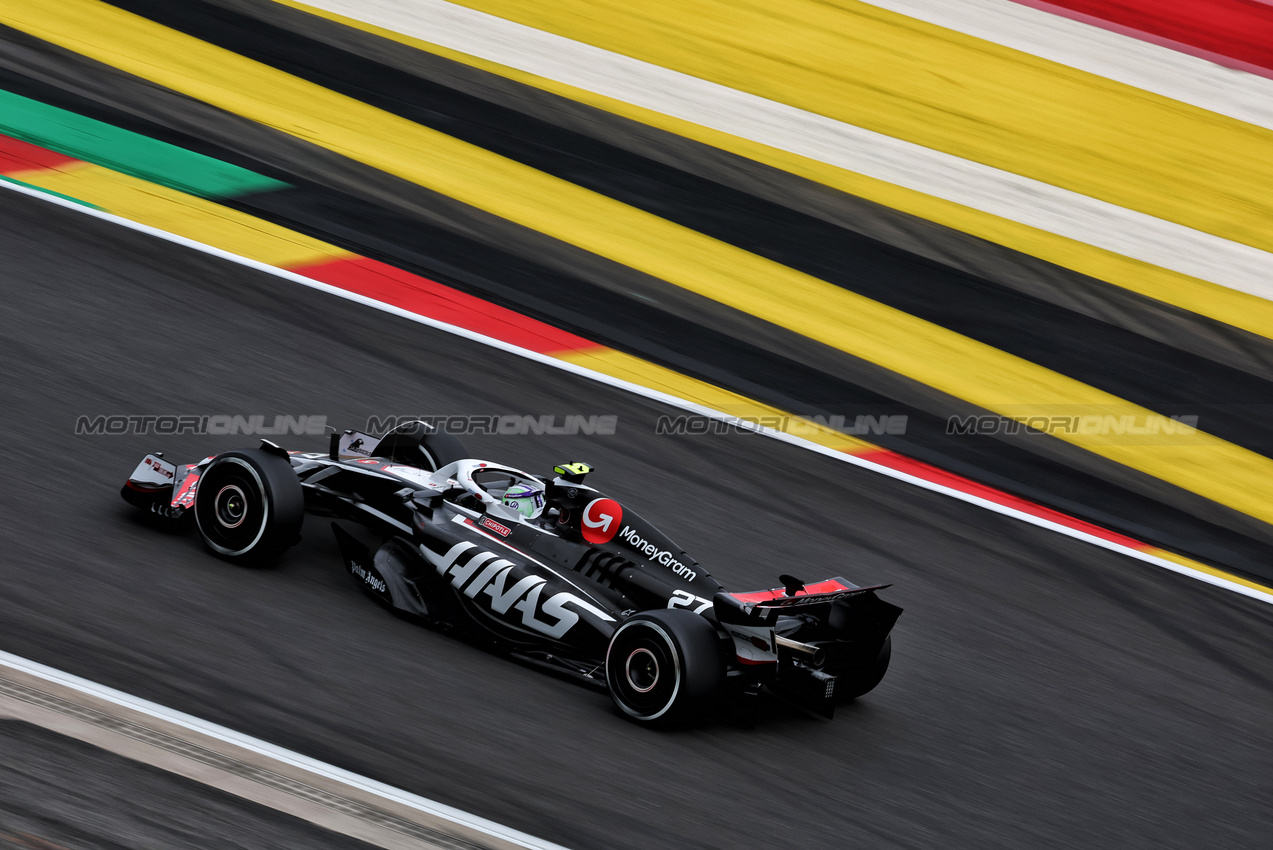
(601, 520)
(513, 595)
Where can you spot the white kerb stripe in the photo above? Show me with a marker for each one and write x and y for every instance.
(1114, 56)
(932, 172)
(278, 754)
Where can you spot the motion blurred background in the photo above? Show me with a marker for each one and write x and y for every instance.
(1013, 253)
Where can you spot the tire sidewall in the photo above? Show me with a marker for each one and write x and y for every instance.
(441, 448)
(633, 637)
(275, 505)
(205, 511)
(694, 660)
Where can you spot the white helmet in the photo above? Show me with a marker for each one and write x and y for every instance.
(526, 499)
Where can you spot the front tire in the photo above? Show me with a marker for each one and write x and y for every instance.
(249, 506)
(664, 666)
(421, 445)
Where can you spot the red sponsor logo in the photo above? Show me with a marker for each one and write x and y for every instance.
(366, 460)
(185, 494)
(159, 467)
(497, 527)
(601, 520)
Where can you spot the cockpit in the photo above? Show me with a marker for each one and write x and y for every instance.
(499, 490)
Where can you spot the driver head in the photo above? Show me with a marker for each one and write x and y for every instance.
(525, 499)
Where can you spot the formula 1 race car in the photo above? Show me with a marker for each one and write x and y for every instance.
(547, 570)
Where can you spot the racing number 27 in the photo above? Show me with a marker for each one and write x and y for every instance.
(684, 599)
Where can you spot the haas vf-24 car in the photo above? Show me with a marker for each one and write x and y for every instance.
(546, 569)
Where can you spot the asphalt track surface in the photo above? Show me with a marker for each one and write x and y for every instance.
(57, 793)
(1044, 693)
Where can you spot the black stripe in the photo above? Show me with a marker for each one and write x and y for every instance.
(660, 334)
(1231, 404)
(629, 324)
(75, 101)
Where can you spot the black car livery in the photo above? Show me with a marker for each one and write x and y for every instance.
(587, 588)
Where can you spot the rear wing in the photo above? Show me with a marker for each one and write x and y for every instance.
(811, 594)
(836, 625)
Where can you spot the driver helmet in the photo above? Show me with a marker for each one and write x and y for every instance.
(525, 499)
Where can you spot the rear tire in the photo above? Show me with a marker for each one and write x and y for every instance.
(664, 666)
(249, 506)
(858, 683)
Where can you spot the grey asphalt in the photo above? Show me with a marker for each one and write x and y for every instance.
(57, 793)
(1044, 693)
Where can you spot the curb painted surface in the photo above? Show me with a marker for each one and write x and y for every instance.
(207, 751)
(1237, 33)
(642, 240)
(79, 138)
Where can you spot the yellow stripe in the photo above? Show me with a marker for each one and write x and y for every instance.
(930, 354)
(628, 368)
(951, 92)
(1203, 568)
(183, 215)
(1231, 307)
(193, 217)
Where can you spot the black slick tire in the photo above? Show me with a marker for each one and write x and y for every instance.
(249, 506)
(665, 666)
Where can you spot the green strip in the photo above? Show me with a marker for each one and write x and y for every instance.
(49, 192)
(125, 151)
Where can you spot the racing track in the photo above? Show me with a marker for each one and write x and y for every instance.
(1044, 692)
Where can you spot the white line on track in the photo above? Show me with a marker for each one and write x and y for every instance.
(426, 824)
(1259, 594)
(1098, 51)
(1001, 193)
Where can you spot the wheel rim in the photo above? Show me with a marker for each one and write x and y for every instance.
(236, 516)
(231, 506)
(642, 670)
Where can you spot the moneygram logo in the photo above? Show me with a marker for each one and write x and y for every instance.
(601, 520)
(655, 554)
